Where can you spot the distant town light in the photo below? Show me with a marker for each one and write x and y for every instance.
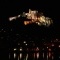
(37, 49)
(24, 42)
(47, 47)
(59, 46)
(20, 49)
(52, 44)
(35, 17)
(56, 39)
(15, 49)
(14, 55)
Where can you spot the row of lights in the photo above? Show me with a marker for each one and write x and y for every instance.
(16, 49)
(37, 49)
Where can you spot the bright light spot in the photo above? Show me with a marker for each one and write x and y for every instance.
(15, 49)
(59, 46)
(20, 49)
(24, 42)
(26, 22)
(42, 19)
(18, 16)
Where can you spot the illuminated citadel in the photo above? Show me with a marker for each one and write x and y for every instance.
(35, 17)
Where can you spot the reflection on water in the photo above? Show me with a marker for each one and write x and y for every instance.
(37, 55)
(9, 55)
(47, 56)
(33, 56)
(43, 55)
(14, 55)
(20, 55)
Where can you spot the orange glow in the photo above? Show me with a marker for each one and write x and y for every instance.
(35, 17)
(27, 22)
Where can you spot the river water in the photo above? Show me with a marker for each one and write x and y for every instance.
(34, 56)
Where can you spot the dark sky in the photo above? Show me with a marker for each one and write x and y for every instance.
(21, 5)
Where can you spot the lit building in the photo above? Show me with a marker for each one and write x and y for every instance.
(34, 17)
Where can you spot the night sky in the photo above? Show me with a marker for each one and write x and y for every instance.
(15, 31)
